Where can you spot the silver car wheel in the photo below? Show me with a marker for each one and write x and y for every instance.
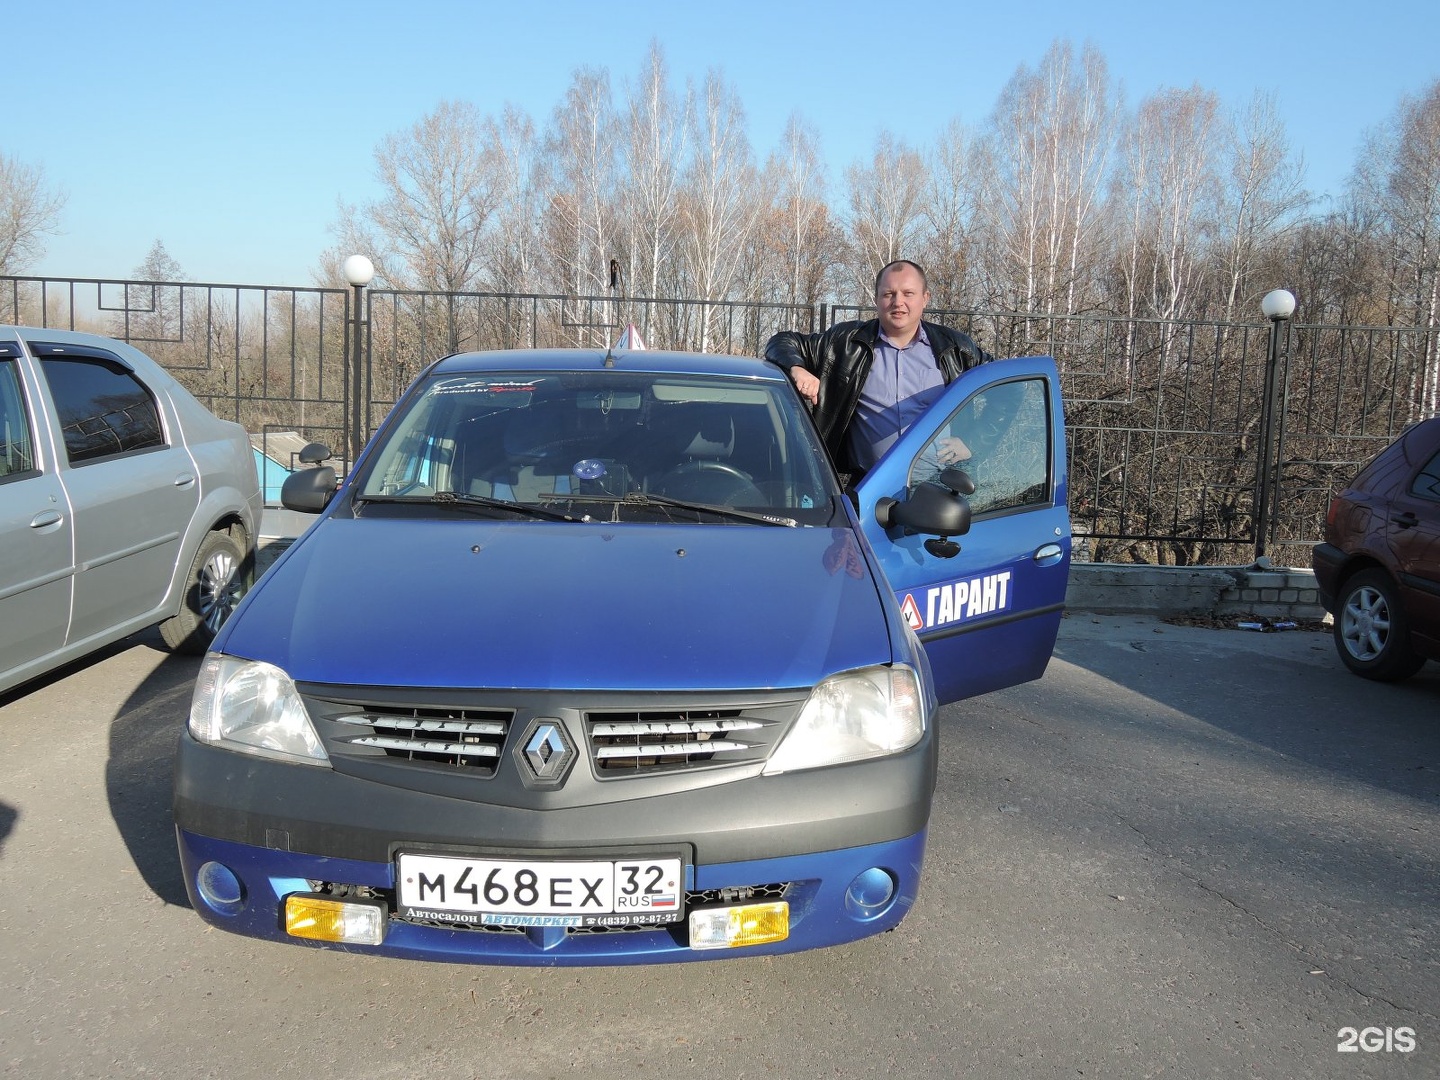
(1365, 623)
(220, 588)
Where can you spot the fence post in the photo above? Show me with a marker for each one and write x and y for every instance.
(1277, 306)
(359, 272)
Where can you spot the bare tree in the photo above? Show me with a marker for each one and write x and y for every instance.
(580, 151)
(29, 210)
(886, 206)
(804, 234)
(1398, 182)
(154, 307)
(654, 147)
(948, 252)
(722, 198)
(1048, 150)
(1169, 189)
(440, 181)
(1262, 197)
(514, 245)
(355, 234)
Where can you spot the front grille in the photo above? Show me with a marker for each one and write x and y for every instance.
(663, 739)
(460, 735)
(469, 739)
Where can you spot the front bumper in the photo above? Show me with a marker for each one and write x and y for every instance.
(818, 835)
(822, 911)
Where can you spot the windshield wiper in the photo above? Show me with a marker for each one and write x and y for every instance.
(462, 498)
(466, 500)
(644, 499)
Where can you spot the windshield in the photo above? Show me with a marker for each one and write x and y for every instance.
(593, 442)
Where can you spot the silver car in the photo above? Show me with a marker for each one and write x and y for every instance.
(123, 503)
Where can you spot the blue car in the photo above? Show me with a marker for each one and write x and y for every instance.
(592, 660)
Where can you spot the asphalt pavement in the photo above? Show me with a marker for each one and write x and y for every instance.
(1185, 852)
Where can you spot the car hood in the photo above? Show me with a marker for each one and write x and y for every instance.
(564, 605)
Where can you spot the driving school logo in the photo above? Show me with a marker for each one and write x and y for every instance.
(958, 601)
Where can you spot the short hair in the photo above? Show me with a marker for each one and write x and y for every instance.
(924, 281)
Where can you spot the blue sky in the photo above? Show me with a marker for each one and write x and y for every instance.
(231, 131)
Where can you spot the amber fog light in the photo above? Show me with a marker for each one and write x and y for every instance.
(353, 922)
(736, 927)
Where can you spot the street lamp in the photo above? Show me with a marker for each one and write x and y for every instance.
(1277, 306)
(359, 272)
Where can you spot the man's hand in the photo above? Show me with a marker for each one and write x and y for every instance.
(953, 451)
(809, 386)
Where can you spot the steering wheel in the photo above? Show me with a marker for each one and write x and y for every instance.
(711, 482)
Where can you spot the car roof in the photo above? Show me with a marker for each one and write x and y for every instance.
(125, 353)
(649, 361)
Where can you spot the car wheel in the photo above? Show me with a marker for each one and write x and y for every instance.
(218, 578)
(1371, 632)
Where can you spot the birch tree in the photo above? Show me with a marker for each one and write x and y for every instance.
(886, 209)
(1398, 181)
(654, 146)
(722, 199)
(805, 234)
(1169, 189)
(948, 251)
(1048, 148)
(515, 260)
(580, 236)
(1263, 196)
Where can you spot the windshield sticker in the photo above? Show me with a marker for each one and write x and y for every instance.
(958, 601)
(485, 386)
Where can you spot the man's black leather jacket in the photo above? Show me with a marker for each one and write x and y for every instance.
(841, 357)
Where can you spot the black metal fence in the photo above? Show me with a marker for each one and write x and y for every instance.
(1189, 442)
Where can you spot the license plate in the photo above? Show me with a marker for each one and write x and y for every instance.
(530, 892)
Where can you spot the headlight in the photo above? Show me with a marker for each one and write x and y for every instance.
(854, 716)
(253, 707)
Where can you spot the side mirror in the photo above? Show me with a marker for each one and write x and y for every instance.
(310, 490)
(930, 509)
(937, 510)
(314, 453)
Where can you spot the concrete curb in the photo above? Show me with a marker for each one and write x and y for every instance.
(1271, 592)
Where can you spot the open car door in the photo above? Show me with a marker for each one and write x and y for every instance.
(986, 600)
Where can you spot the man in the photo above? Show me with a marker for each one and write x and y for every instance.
(867, 382)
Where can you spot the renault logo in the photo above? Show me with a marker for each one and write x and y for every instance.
(546, 752)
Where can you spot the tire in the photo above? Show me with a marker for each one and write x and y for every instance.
(1372, 634)
(218, 578)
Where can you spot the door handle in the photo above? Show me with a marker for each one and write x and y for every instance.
(185, 480)
(45, 519)
(1407, 520)
(1048, 553)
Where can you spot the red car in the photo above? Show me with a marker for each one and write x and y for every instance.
(1378, 570)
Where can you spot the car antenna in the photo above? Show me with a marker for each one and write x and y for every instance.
(609, 355)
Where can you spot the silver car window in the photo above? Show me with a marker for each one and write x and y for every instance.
(104, 410)
(17, 455)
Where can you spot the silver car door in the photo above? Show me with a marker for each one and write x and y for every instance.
(36, 553)
(133, 489)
